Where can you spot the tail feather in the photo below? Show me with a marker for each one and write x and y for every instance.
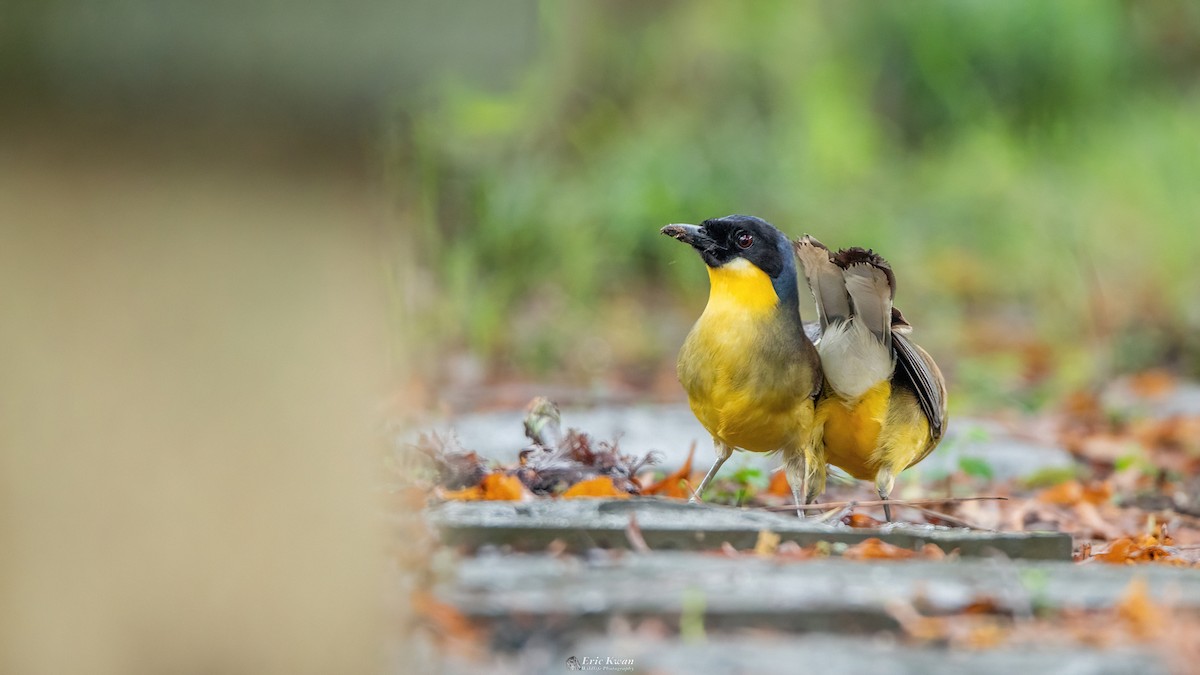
(824, 280)
(871, 286)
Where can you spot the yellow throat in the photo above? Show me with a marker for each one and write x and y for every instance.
(740, 286)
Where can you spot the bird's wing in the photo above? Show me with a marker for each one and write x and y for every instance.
(824, 280)
(871, 286)
(925, 378)
(812, 330)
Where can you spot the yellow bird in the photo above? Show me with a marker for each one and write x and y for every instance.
(751, 374)
(884, 405)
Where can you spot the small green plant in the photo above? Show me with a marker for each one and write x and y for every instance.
(976, 467)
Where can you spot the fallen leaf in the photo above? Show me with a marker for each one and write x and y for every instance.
(493, 487)
(1067, 493)
(790, 550)
(1152, 383)
(767, 544)
(934, 552)
(675, 485)
(1138, 611)
(1072, 492)
(877, 549)
(861, 520)
(444, 619)
(985, 635)
(601, 486)
(779, 486)
(1128, 551)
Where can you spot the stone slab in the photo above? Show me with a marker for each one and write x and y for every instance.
(830, 654)
(675, 525)
(539, 597)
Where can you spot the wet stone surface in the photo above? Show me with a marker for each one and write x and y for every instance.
(827, 654)
(543, 607)
(806, 594)
(673, 525)
(671, 429)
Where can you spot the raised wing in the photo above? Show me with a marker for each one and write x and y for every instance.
(824, 280)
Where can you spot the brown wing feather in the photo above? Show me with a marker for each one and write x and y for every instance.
(824, 280)
(916, 370)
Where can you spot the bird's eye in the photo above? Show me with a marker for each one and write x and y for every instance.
(744, 239)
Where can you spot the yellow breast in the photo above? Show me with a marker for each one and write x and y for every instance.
(739, 397)
(883, 428)
(852, 430)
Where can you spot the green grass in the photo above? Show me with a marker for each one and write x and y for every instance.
(1028, 167)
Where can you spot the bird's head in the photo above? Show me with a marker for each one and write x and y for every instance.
(740, 243)
(724, 241)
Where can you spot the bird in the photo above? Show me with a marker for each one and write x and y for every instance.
(883, 407)
(751, 374)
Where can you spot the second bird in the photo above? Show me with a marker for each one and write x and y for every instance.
(884, 405)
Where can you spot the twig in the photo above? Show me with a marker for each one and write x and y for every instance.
(880, 502)
(633, 532)
(949, 519)
(836, 514)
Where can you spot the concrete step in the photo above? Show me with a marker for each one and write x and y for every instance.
(674, 525)
(562, 599)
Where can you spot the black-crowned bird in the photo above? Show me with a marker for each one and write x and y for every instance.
(751, 374)
(884, 405)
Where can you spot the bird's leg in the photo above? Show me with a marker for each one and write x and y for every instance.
(723, 453)
(884, 480)
(795, 467)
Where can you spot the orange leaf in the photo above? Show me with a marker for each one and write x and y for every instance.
(861, 520)
(493, 487)
(1099, 492)
(601, 486)
(877, 549)
(1152, 383)
(443, 618)
(1136, 608)
(779, 485)
(1127, 551)
(1118, 553)
(674, 485)
(1067, 494)
(933, 552)
(767, 544)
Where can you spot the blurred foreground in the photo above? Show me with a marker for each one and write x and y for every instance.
(192, 349)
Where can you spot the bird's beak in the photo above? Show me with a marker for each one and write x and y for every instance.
(688, 234)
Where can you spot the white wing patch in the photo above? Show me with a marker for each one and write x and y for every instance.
(854, 360)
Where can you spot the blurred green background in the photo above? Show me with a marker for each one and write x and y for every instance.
(1030, 168)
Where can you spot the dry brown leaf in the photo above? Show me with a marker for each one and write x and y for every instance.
(493, 487)
(790, 550)
(1072, 492)
(767, 544)
(985, 635)
(779, 486)
(1152, 383)
(601, 486)
(444, 619)
(1144, 618)
(1066, 493)
(676, 485)
(1128, 551)
(877, 549)
(861, 520)
(934, 552)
